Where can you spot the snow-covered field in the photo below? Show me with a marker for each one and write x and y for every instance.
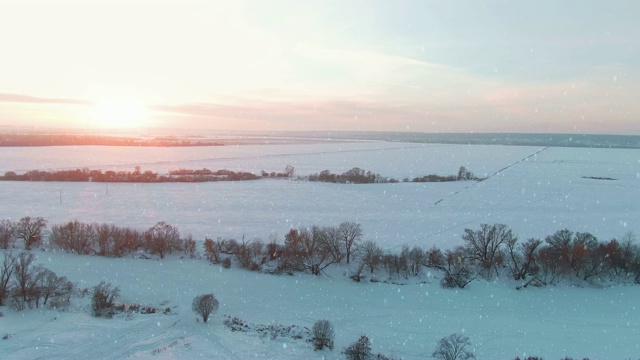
(535, 197)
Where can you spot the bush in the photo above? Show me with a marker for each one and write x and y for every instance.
(210, 251)
(190, 247)
(360, 350)
(205, 305)
(453, 347)
(226, 263)
(323, 335)
(102, 301)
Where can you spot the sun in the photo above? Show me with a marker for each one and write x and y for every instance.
(119, 114)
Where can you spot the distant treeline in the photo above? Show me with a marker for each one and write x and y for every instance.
(359, 176)
(136, 176)
(509, 139)
(353, 176)
(77, 140)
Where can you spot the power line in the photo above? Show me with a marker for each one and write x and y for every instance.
(490, 176)
(485, 217)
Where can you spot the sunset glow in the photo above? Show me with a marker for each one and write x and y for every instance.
(426, 66)
(119, 114)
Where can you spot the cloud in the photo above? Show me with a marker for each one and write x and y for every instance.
(308, 115)
(18, 98)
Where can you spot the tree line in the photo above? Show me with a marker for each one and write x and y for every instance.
(97, 239)
(353, 176)
(489, 252)
(360, 176)
(136, 176)
(81, 140)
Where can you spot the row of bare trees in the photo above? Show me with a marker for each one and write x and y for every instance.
(93, 238)
(24, 284)
(487, 252)
(113, 241)
(310, 249)
(28, 230)
(494, 250)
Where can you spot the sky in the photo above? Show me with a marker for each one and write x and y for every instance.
(428, 66)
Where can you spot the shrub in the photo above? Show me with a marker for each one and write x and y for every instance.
(102, 301)
(226, 263)
(210, 251)
(360, 350)
(323, 335)
(205, 305)
(190, 248)
(453, 347)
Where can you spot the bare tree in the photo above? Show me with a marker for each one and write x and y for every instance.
(318, 246)
(453, 347)
(7, 228)
(24, 278)
(349, 234)
(74, 236)
(211, 252)
(574, 252)
(6, 269)
(163, 238)
(416, 259)
(116, 241)
(371, 255)
(30, 230)
(456, 271)
(307, 249)
(333, 244)
(104, 237)
(205, 305)
(55, 288)
(190, 247)
(522, 258)
(293, 252)
(485, 245)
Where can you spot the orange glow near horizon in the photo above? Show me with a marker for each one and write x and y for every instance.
(118, 114)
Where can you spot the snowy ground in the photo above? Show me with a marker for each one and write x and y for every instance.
(402, 320)
(535, 198)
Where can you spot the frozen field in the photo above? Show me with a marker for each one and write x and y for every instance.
(535, 197)
(403, 321)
